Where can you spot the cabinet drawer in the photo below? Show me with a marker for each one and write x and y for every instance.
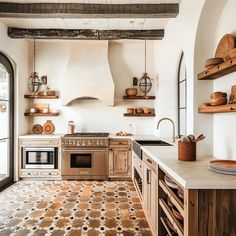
(119, 142)
(152, 164)
(49, 173)
(29, 174)
(39, 143)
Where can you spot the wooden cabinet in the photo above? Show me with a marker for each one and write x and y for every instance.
(204, 211)
(120, 159)
(149, 195)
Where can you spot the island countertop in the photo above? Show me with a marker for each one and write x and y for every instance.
(191, 175)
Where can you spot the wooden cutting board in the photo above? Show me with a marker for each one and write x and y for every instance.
(226, 44)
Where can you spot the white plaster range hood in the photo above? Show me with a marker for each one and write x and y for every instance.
(87, 73)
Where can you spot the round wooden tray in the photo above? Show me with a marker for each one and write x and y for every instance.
(223, 165)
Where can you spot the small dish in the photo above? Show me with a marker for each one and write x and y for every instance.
(169, 182)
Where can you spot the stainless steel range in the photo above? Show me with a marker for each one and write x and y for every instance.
(85, 156)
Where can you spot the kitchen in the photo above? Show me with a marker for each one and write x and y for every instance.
(69, 165)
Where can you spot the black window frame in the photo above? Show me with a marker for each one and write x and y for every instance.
(179, 82)
(6, 62)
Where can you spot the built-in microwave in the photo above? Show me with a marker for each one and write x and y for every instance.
(40, 158)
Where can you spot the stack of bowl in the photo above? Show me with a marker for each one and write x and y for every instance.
(218, 98)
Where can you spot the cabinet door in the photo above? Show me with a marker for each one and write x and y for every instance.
(121, 161)
(146, 188)
(153, 200)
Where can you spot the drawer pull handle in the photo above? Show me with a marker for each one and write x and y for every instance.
(149, 161)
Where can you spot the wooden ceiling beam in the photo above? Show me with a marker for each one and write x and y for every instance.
(85, 34)
(86, 10)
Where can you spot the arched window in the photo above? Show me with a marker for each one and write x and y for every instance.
(6, 121)
(182, 97)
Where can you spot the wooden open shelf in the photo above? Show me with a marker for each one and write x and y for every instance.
(217, 109)
(218, 71)
(140, 115)
(42, 114)
(40, 97)
(176, 224)
(140, 97)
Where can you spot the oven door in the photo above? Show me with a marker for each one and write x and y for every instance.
(38, 158)
(81, 162)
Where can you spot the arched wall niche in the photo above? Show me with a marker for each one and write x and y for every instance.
(205, 45)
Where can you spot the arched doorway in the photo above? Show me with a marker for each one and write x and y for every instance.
(6, 121)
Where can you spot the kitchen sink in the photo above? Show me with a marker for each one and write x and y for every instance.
(138, 143)
(152, 143)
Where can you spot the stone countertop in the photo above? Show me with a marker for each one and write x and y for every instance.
(41, 136)
(111, 136)
(191, 175)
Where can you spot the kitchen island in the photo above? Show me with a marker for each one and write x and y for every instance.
(202, 203)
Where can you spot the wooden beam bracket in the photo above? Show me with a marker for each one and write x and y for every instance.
(86, 10)
(85, 34)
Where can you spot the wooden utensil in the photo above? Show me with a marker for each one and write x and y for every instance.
(226, 44)
(199, 138)
(191, 138)
(48, 127)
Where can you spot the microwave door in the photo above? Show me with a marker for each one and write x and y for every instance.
(39, 158)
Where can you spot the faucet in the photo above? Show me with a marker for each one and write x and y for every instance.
(158, 124)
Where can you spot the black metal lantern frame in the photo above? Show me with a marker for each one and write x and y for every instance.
(145, 82)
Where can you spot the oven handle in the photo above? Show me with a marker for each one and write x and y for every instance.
(93, 150)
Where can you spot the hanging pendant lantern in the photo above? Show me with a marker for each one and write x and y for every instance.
(34, 81)
(145, 82)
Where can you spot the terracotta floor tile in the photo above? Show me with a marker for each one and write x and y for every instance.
(45, 224)
(111, 223)
(74, 233)
(62, 223)
(78, 223)
(94, 223)
(68, 208)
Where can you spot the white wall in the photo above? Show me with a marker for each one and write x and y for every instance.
(224, 124)
(17, 51)
(126, 59)
(179, 37)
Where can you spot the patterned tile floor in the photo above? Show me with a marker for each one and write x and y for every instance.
(72, 208)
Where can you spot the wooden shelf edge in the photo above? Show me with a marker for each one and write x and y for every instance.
(173, 198)
(40, 96)
(140, 97)
(164, 221)
(218, 71)
(217, 109)
(41, 114)
(139, 115)
(171, 218)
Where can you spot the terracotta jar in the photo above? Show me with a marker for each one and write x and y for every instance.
(71, 127)
(186, 151)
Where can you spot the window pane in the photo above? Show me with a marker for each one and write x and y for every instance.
(4, 119)
(182, 121)
(182, 94)
(4, 159)
(4, 83)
